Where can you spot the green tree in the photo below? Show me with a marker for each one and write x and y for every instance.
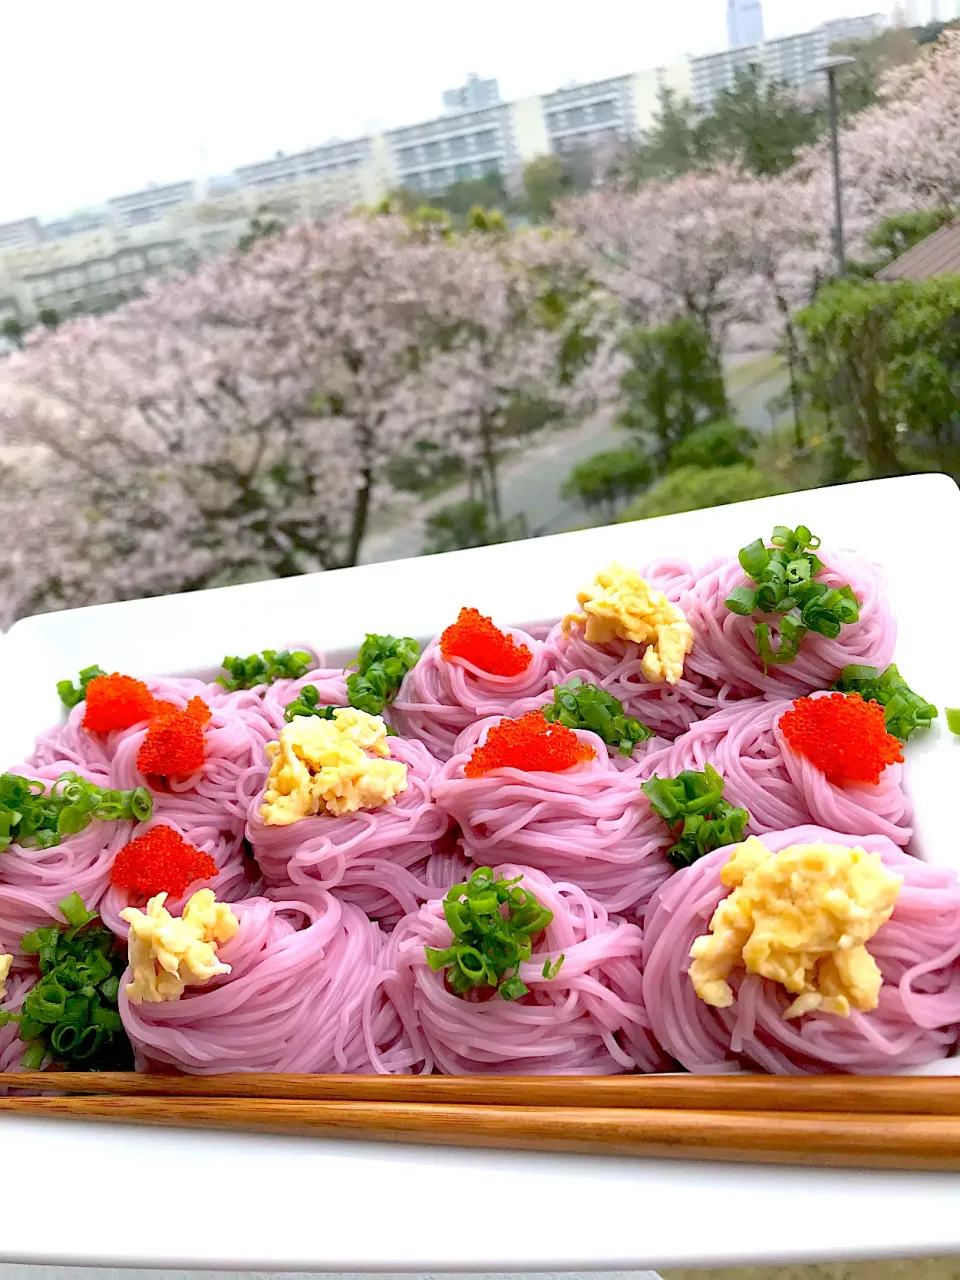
(13, 329)
(691, 488)
(544, 181)
(603, 483)
(718, 444)
(262, 225)
(883, 366)
(923, 380)
(460, 197)
(760, 123)
(468, 524)
(49, 317)
(678, 142)
(674, 385)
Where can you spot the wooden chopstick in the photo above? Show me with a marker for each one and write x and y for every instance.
(813, 1138)
(918, 1095)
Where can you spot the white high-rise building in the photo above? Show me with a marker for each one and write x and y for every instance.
(744, 23)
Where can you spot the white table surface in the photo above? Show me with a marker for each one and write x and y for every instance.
(205, 1200)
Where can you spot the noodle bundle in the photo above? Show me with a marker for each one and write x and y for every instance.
(33, 881)
(588, 1020)
(237, 877)
(371, 857)
(235, 740)
(779, 787)
(725, 650)
(440, 697)
(293, 1001)
(666, 709)
(916, 1021)
(590, 824)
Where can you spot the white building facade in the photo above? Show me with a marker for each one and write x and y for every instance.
(790, 59)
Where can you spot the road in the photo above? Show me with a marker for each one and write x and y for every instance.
(531, 482)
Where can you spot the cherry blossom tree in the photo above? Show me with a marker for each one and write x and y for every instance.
(675, 248)
(237, 423)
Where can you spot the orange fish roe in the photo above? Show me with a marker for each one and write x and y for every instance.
(531, 744)
(475, 639)
(160, 861)
(174, 741)
(117, 702)
(842, 736)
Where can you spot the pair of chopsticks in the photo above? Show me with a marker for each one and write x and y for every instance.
(869, 1122)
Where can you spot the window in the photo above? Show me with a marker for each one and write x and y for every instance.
(458, 146)
(408, 155)
(603, 110)
(464, 171)
(434, 150)
(485, 141)
(412, 180)
(576, 116)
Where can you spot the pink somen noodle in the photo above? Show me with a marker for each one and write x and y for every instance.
(374, 858)
(590, 824)
(440, 697)
(779, 787)
(725, 651)
(235, 740)
(11, 1046)
(33, 881)
(915, 1023)
(587, 1020)
(330, 684)
(293, 1001)
(666, 709)
(238, 876)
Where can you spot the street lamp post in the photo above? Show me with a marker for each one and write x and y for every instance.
(830, 66)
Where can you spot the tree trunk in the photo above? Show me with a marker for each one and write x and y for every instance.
(358, 526)
(490, 468)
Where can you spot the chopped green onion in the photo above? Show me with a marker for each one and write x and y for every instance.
(904, 710)
(71, 694)
(586, 706)
(493, 922)
(551, 970)
(953, 719)
(37, 819)
(692, 806)
(784, 577)
(307, 703)
(381, 664)
(264, 668)
(70, 1015)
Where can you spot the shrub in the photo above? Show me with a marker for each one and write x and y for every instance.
(718, 444)
(692, 488)
(606, 481)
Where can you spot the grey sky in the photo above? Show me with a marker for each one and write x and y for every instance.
(102, 97)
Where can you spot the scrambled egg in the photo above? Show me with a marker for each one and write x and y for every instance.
(334, 766)
(168, 953)
(800, 917)
(619, 604)
(5, 963)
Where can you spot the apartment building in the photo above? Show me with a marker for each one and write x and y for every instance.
(791, 59)
(472, 96)
(14, 235)
(95, 257)
(151, 204)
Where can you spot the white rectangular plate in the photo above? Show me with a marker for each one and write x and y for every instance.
(272, 1203)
